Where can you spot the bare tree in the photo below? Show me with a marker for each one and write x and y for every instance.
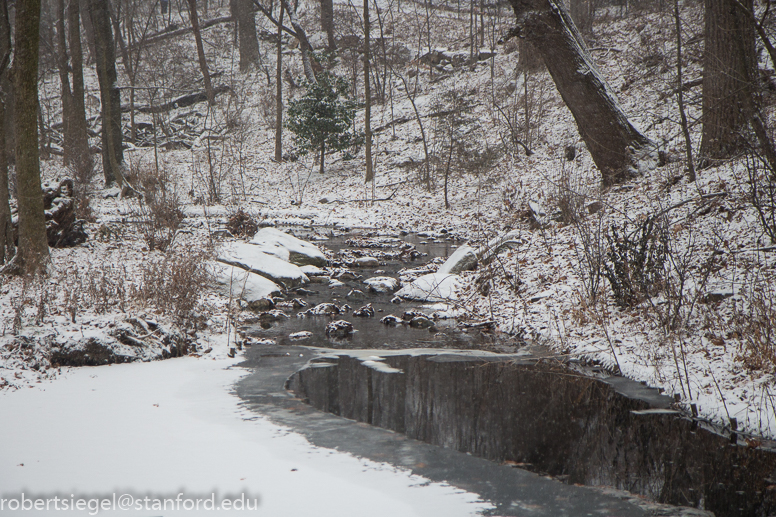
(110, 95)
(369, 176)
(730, 103)
(33, 252)
(242, 12)
(279, 92)
(76, 140)
(6, 230)
(327, 22)
(618, 149)
(211, 98)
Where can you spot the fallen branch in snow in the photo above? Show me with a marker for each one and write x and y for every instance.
(365, 200)
(182, 102)
(166, 34)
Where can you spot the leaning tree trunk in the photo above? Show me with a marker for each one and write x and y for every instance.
(33, 252)
(110, 95)
(729, 61)
(618, 149)
(242, 12)
(6, 230)
(211, 98)
(304, 43)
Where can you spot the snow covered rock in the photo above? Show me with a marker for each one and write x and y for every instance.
(464, 259)
(251, 258)
(434, 287)
(339, 329)
(366, 262)
(237, 283)
(367, 311)
(324, 309)
(288, 248)
(300, 336)
(382, 284)
(390, 320)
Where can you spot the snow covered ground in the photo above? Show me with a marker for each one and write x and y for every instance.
(162, 428)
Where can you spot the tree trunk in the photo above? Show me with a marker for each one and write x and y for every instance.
(618, 149)
(80, 153)
(6, 85)
(110, 95)
(369, 176)
(323, 155)
(242, 12)
(304, 43)
(6, 230)
(279, 92)
(528, 58)
(63, 64)
(327, 22)
(33, 252)
(581, 12)
(211, 98)
(729, 63)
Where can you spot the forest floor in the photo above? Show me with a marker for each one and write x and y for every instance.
(700, 329)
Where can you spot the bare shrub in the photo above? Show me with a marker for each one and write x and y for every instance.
(157, 209)
(635, 265)
(242, 224)
(104, 287)
(172, 283)
(567, 195)
(590, 252)
(754, 323)
(762, 192)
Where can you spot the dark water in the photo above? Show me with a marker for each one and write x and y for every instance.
(550, 419)
(524, 411)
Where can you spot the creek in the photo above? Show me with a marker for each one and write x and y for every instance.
(489, 414)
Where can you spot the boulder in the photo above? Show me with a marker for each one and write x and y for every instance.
(382, 284)
(287, 247)
(434, 287)
(324, 309)
(390, 320)
(366, 262)
(367, 311)
(339, 329)
(251, 258)
(237, 283)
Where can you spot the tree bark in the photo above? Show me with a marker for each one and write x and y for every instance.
(729, 63)
(304, 43)
(242, 12)
(6, 230)
(63, 64)
(618, 149)
(211, 99)
(369, 176)
(33, 252)
(279, 92)
(80, 153)
(110, 95)
(327, 22)
(582, 13)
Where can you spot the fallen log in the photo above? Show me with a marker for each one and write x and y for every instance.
(166, 34)
(182, 102)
